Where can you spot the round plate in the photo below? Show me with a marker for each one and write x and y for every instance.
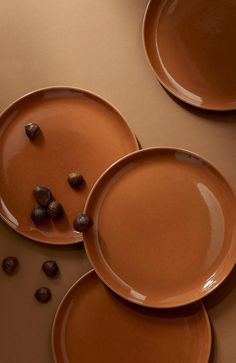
(191, 48)
(94, 325)
(80, 132)
(164, 227)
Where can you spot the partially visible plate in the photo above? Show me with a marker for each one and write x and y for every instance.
(164, 227)
(191, 48)
(80, 133)
(94, 325)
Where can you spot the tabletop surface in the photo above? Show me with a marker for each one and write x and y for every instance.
(96, 45)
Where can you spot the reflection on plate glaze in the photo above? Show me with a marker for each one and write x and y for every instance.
(180, 155)
(65, 356)
(217, 223)
(183, 91)
(172, 7)
(137, 295)
(173, 82)
(210, 282)
(14, 222)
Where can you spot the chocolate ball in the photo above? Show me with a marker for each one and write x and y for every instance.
(32, 130)
(82, 222)
(9, 264)
(42, 195)
(76, 180)
(43, 294)
(50, 268)
(38, 214)
(55, 210)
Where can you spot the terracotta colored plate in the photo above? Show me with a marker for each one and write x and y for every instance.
(94, 325)
(80, 132)
(191, 48)
(164, 227)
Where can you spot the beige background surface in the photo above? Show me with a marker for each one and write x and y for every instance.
(97, 45)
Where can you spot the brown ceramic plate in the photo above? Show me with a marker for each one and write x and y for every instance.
(94, 325)
(80, 132)
(164, 227)
(191, 48)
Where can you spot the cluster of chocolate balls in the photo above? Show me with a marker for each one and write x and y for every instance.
(47, 207)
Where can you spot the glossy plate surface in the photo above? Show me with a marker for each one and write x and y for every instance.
(80, 132)
(191, 48)
(164, 227)
(94, 325)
